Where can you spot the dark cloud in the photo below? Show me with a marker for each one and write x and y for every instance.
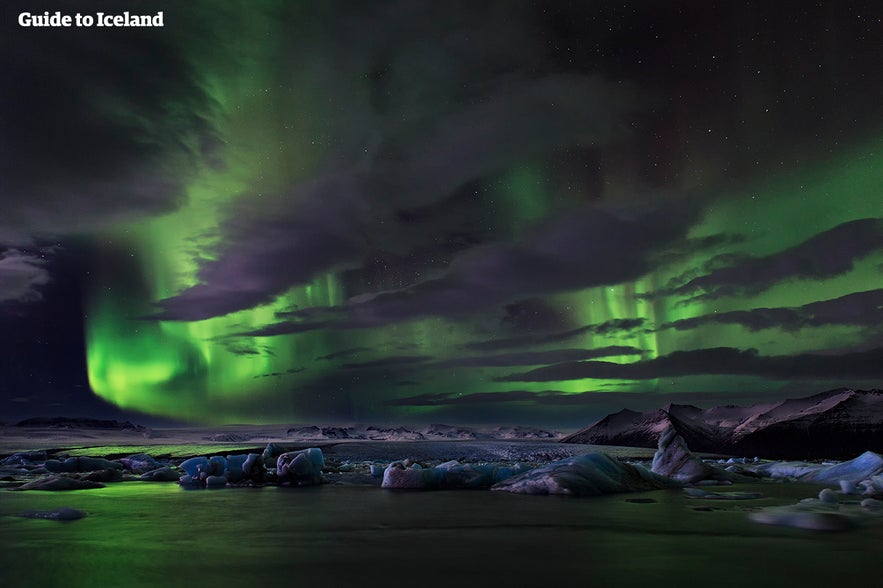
(288, 372)
(607, 328)
(825, 255)
(716, 361)
(395, 360)
(533, 314)
(536, 357)
(582, 249)
(331, 222)
(605, 401)
(98, 127)
(862, 309)
(343, 353)
(22, 274)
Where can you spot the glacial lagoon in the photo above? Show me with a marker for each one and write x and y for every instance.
(142, 534)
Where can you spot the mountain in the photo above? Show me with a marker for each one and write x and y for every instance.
(836, 424)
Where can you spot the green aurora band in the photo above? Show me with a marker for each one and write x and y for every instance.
(196, 371)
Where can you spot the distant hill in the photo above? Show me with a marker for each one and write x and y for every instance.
(836, 424)
(79, 423)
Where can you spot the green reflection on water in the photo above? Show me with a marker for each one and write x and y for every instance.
(141, 534)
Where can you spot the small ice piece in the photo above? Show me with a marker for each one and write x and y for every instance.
(803, 519)
(698, 493)
(215, 481)
(376, 470)
(673, 459)
(848, 487)
(63, 513)
(872, 504)
(164, 474)
(828, 496)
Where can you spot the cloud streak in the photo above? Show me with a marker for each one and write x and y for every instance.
(861, 309)
(716, 361)
(825, 255)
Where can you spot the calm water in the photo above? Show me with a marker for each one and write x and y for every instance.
(142, 534)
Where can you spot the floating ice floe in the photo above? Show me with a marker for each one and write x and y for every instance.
(63, 513)
(866, 467)
(831, 511)
(60, 483)
(164, 474)
(447, 476)
(24, 458)
(704, 494)
(81, 464)
(591, 474)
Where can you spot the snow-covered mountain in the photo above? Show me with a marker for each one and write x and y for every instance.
(834, 424)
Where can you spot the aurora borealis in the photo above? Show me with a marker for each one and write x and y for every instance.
(533, 212)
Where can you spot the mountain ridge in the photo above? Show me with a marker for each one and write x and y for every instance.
(837, 424)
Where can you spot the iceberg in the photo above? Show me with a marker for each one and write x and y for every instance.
(450, 475)
(673, 459)
(591, 474)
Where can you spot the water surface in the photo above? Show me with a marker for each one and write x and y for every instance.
(149, 534)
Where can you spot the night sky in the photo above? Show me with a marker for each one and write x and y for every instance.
(415, 211)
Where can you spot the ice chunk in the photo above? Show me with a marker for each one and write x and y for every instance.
(446, 476)
(164, 474)
(140, 463)
(194, 465)
(828, 497)
(59, 483)
(252, 465)
(848, 487)
(863, 467)
(697, 493)
(63, 513)
(397, 476)
(813, 520)
(301, 467)
(24, 458)
(871, 504)
(81, 464)
(591, 474)
(215, 481)
(234, 471)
